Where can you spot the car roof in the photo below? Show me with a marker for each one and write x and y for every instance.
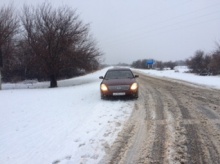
(119, 69)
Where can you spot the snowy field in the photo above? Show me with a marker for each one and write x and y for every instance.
(179, 74)
(69, 124)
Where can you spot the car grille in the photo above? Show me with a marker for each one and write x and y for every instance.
(119, 88)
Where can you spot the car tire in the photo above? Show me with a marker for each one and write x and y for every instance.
(102, 97)
(136, 96)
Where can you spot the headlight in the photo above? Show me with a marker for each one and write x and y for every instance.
(134, 86)
(104, 87)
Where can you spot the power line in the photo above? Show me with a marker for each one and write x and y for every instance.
(145, 35)
(155, 12)
(162, 27)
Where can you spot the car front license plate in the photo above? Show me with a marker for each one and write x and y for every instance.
(119, 94)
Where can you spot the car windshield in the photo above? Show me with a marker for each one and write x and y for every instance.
(119, 74)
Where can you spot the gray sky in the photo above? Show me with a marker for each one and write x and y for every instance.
(128, 30)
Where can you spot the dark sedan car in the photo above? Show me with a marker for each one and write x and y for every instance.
(119, 82)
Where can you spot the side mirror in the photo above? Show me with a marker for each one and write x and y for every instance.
(101, 77)
(136, 76)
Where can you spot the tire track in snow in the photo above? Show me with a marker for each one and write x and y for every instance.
(173, 123)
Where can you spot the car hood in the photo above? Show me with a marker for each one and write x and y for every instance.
(118, 81)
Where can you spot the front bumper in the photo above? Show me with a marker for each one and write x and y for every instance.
(115, 93)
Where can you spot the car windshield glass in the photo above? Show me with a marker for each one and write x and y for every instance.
(119, 74)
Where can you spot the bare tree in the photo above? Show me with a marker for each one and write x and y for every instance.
(170, 64)
(196, 63)
(159, 65)
(8, 28)
(215, 62)
(58, 39)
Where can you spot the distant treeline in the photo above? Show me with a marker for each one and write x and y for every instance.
(200, 63)
(158, 64)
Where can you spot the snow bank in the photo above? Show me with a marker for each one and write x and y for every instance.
(206, 81)
(69, 124)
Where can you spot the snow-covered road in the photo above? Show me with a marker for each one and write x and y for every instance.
(69, 124)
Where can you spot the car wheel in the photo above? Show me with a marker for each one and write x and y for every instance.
(136, 96)
(102, 97)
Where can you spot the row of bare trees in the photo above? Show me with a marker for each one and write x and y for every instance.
(158, 64)
(45, 43)
(201, 63)
(8, 29)
(205, 64)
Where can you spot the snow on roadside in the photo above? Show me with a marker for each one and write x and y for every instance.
(206, 81)
(68, 124)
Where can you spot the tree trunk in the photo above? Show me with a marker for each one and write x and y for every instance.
(53, 81)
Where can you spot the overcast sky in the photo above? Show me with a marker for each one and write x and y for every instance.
(128, 30)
